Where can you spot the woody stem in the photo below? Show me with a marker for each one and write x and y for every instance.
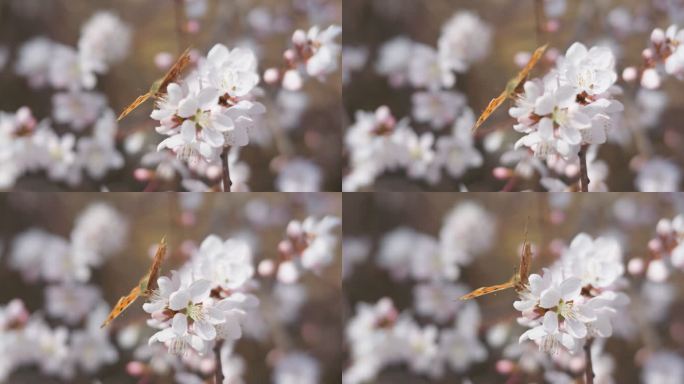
(588, 366)
(584, 175)
(218, 375)
(226, 169)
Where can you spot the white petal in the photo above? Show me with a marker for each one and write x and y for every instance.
(550, 322)
(549, 298)
(179, 300)
(199, 290)
(179, 324)
(208, 97)
(570, 288)
(205, 330)
(188, 131)
(188, 107)
(576, 328)
(544, 105)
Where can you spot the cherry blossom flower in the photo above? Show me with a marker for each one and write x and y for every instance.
(569, 107)
(297, 367)
(465, 39)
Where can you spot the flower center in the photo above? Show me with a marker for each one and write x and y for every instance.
(194, 311)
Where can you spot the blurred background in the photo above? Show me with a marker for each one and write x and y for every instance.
(302, 125)
(651, 128)
(373, 227)
(303, 317)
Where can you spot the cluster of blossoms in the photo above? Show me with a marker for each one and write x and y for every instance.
(99, 233)
(29, 340)
(666, 251)
(206, 301)
(77, 344)
(309, 246)
(576, 299)
(29, 145)
(465, 39)
(210, 109)
(570, 107)
(377, 143)
(213, 110)
(466, 233)
(315, 53)
(209, 301)
(664, 56)
(379, 336)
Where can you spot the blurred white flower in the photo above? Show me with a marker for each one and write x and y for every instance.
(465, 39)
(297, 368)
(77, 109)
(105, 40)
(34, 61)
(325, 50)
(90, 346)
(468, 231)
(436, 300)
(71, 302)
(658, 175)
(99, 232)
(299, 175)
(438, 108)
(663, 367)
(309, 245)
(460, 346)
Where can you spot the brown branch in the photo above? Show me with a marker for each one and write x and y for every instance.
(584, 175)
(588, 366)
(218, 375)
(226, 170)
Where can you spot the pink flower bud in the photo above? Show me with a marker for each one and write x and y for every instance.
(163, 60)
(635, 266)
(266, 267)
(135, 368)
(630, 74)
(502, 173)
(271, 76)
(657, 36)
(299, 37)
(290, 55)
(650, 79)
(142, 174)
(504, 367)
(193, 26)
(292, 81)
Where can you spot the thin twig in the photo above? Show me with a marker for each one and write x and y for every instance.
(584, 175)
(588, 366)
(226, 170)
(218, 375)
